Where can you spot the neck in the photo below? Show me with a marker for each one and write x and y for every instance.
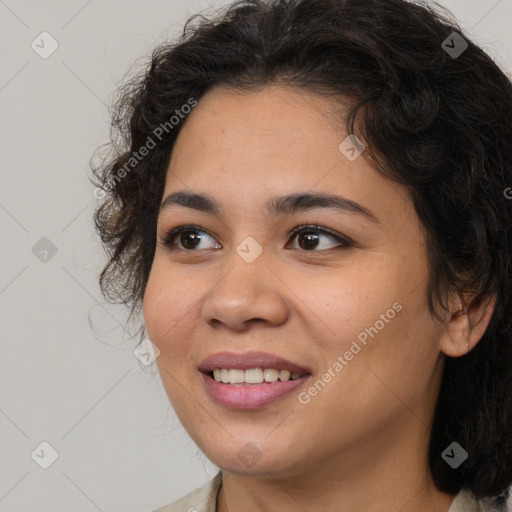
(397, 479)
(426, 499)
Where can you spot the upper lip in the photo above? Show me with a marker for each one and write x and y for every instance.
(248, 360)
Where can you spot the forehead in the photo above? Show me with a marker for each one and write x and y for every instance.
(242, 145)
(230, 115)
(275, 130)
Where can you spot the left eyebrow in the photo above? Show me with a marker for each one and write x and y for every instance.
(284, 205)
(303, 202)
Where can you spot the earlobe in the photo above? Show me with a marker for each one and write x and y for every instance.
(466, 326)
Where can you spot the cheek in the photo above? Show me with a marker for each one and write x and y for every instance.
(344, 302)
(167, 301)
(375, 308)
(156, 295)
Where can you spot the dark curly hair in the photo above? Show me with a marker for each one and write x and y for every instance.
(436, 117)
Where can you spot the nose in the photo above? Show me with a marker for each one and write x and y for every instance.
(249, 293)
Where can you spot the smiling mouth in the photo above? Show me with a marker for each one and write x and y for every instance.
(250, 380)
(256, 393)
(252, 376)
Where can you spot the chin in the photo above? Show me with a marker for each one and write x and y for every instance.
(252, 458)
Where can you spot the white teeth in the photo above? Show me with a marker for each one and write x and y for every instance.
(270, 375)
(284, 375)
(224, 376)
(236, 376)
(252, 376)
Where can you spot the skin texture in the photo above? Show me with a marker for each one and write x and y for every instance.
(361, 442)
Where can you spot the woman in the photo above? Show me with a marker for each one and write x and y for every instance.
(308, 203)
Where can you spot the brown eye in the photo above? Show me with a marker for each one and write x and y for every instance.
(188, 238)
(307, 240)
(310, 238)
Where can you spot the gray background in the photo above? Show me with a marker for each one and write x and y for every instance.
(119, 444)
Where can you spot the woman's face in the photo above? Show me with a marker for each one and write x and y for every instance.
(345, 304)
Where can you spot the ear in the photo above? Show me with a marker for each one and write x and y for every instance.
(465, 327)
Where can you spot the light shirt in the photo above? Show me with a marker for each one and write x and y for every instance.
(204, 499)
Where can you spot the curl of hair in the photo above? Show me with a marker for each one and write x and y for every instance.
(437, 124)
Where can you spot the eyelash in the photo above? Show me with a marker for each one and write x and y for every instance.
(167, 239)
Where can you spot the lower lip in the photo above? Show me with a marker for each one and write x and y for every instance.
(250, 396)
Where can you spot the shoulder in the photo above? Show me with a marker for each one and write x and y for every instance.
(203, 499)
(464, 502)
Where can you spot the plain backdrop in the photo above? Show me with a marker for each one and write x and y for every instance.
(80, 390)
